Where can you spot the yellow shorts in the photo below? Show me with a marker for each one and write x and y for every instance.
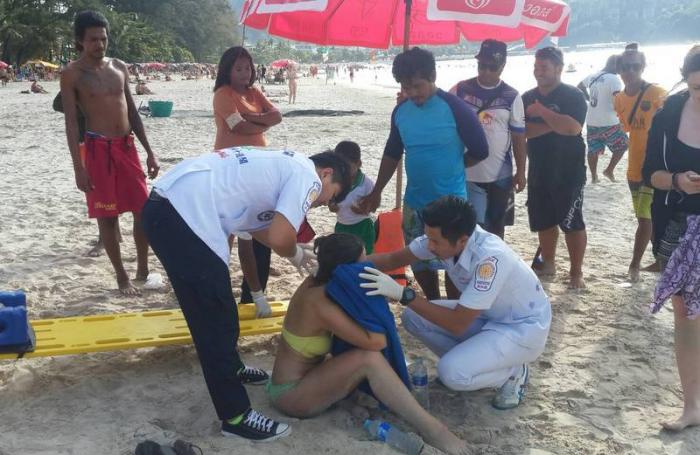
(641, 199)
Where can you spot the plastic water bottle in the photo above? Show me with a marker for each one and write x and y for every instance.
(409, 443)
(419, 382)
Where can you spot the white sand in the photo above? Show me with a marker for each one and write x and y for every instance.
(606, 380)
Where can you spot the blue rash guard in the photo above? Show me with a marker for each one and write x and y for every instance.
(434, 137)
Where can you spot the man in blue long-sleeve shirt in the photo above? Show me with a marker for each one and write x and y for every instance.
(434, 128)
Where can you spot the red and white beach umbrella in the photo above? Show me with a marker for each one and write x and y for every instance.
(282, 63)
(382, 23)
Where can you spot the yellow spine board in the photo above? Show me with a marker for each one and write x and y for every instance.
(115, 331)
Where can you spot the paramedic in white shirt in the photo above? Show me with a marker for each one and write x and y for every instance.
(188, 218)
(603, 127)
(501, 321)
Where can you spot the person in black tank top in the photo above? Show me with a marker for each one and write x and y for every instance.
(672, 166)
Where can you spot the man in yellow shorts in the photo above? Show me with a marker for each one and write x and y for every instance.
(636, 106)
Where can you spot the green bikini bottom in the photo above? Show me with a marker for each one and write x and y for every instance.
(274, 391)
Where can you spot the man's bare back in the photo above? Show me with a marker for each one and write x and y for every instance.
(100, 94)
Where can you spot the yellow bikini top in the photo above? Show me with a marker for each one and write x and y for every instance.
(309, 347)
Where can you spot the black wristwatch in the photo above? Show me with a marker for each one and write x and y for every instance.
(407, 296)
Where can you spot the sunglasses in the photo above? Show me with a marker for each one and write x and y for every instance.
(636, 67)
(493, 67)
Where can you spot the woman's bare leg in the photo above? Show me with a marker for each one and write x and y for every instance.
(687, 343)
(336, 378)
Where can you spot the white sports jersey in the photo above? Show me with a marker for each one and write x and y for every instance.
(345, 214)
(602, 87)
(492, 278)
(239, 190)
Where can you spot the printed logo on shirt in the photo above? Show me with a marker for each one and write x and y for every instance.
(645, 105)
(485, 274)
(266, 216)
(288, 153)
(311, 196)
(221, 153)
(485, 118)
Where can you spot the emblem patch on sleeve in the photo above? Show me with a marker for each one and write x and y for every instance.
(485, 273)
(311, 196)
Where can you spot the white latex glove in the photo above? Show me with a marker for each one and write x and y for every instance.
(262, 308)
(243, 235)
(304, 259)
(382, 284)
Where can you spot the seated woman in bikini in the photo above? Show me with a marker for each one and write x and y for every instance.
(306, 381)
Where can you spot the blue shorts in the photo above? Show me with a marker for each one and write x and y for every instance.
(413, 227)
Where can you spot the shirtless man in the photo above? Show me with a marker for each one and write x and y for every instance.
(110, 173)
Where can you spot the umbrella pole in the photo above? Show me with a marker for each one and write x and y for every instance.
(406, 34)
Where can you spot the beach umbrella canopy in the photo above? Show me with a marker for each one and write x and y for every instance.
(42, 63)
(3, 65)
(282, 63)
(381, 23)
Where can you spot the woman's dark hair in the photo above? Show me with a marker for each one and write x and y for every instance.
(85, 20)
(453, 215)
(349, 150)
(415, 62)
(223, 72)
(341, 171)
(691, 63)
(334, 250)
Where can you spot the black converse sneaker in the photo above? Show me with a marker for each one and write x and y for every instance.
(256, 427)
(253, 376)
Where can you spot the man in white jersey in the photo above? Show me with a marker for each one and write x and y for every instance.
(189, 217)
(602, 124)
(501, 321)
(499, 108)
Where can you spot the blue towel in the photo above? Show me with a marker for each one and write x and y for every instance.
(371, 312)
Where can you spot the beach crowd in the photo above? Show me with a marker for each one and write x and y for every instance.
(466, 152)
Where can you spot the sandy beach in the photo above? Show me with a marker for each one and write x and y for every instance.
(605, 382)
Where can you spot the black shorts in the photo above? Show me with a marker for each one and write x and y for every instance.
(549, 207)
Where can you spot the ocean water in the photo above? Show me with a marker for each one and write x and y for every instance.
(663, 68)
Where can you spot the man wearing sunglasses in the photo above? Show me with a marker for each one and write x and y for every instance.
(499, 108)
(554, 115)
(636, 106)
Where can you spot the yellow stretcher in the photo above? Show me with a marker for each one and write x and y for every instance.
(115, 331)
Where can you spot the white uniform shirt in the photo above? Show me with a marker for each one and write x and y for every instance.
(495, 280)
(345, 214)
(239, 190)
(601, 90)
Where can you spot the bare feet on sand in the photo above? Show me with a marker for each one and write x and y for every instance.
(688, 419)
(576, 282)
(544, 269)
(447, 442)
(594, 179)
(96, 250)
(633, 273)
(127, 289)
(141, 275)
(609, 174)
(655, 267)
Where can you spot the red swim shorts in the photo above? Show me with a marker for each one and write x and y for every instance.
(116, 175)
